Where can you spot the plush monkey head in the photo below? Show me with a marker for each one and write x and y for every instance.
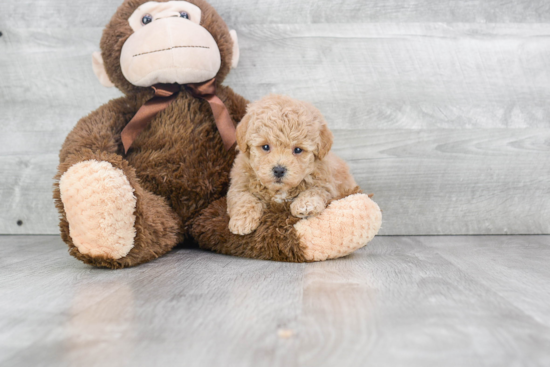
(150, 42)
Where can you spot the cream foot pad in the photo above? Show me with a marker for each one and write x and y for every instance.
(100, 204)
(343, 227)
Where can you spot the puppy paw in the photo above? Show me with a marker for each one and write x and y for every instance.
(245, 223)
(307, 206)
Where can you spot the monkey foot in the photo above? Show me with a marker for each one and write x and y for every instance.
(99, 203)
(343, 227)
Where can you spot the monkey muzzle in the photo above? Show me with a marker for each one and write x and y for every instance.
(170, 50)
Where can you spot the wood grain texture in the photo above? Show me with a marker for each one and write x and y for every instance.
(454, 181)
(427, 182)
(48, 82)
(402, 301)
(445, 104)
(26, 187)
(418, 76)
(483, 264)
(68, 14)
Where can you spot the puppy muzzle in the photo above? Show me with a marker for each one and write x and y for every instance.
(279, 172)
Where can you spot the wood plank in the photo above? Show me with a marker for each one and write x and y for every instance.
(505, 274)
(426, 181)
(400, 303)
(190, 298)
(45, 292)
(418, 76)
(487, 76)
(383, 76)
(66, 13)
(414, 301)
(34, 246)
(454, 181)
(26, 190)
(48, 82)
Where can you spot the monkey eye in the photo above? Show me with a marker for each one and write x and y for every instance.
(147, 18)
(265, 147)
(298, 150)
(184, 15)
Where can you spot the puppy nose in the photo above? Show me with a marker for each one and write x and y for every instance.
(279, 171)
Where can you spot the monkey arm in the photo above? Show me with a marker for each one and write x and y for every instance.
(100, 130)
(346, 225)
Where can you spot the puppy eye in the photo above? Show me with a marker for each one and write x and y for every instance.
(298, 150)
(184, 15)
(147, 18)
(265, 147)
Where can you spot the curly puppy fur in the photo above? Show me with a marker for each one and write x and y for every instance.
(284, 157)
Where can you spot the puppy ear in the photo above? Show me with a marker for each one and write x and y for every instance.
(242, 128)
(325, 141)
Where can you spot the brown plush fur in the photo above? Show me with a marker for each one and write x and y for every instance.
(312, 177)
(275, 238)
(177, 166)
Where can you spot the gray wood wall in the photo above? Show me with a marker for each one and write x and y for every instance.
(442, 108)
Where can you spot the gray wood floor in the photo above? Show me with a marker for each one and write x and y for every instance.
(402, 301)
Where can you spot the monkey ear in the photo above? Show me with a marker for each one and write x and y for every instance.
(99, 70)
(242, 138)
(236, 50)
(325, 141)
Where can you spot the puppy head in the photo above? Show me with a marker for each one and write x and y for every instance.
(282, 138)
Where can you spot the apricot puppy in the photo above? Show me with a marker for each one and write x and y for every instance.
(284, 155)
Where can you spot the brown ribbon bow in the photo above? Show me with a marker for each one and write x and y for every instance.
(166, 94)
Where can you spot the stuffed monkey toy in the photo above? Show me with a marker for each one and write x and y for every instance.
(149, 170)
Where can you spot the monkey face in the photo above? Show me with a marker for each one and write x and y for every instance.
(168, 46)
(150, 42)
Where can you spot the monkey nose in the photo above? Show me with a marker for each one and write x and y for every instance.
(279, 171)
